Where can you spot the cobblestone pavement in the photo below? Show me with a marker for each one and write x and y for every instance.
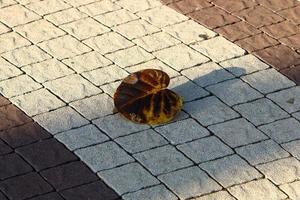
(238, 136)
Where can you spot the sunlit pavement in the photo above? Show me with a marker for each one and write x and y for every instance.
(235, 65)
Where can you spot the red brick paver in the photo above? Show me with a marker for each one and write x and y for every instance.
(268, 28)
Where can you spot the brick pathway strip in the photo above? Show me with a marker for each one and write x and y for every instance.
(35, 165)
(269, 29)
(236, 138)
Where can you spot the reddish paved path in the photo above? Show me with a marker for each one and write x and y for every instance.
(268, 28)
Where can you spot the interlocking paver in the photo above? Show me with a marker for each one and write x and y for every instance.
(218, 49)
(276, 32)
(48, 196)
(189, 32)
(87, 62)
(188, 6)
(234, 92)
(217, 195)
(293, 73)
(130, 56)
(167, 16)
(77, 3)
(281, 171)
(116, 17)
(283, 130)
(292, 41)
(138, 5)
(128, 178)
(189, 182)
(12, 40)
(64, 47)
(268, 81)
(115, 126)
(108, 42)
(110, 88)
(182, 131)
(39, 31)
(18, 85)
(230, 170)
(72, 87)
(4, 148)
(287, 99)
(152, 193)
(184, 86)
(293, 147)
(244, 65)
(47, 70)
(8, 15)
(210, 110)
(141, 141)
(99, 7)
(234, 6)
(257, 190)
(292, 189)
(105, 75)
(104, 156)
(84, 28)
(37, 102)
(26, 55)
(66, 176)
(95, 106)
(3, 28)
(207, 74)
(205, 149)
(60, 120)
(291, 14)
(156, 41)
(3, 101)
(8, 70)
(180, 57)
(81, 137)
(257, 42)
(277, 5)
(5, 3)
(163, 159)
(47, 6)
(65, 16)
(237, 132)
(262, 152)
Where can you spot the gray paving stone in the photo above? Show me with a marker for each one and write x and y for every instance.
(257, 190)
(60, 120)
(95, 106)
(105, 75)
(189, 182)
(72, 88)
(218, 49)
(8, 70)
(116, 17)
(103, 156)
(281, 171)
(108, 42)
(234, 92)
(18, 85)
(87, 62)
(187, 89)
(262, 152)
(128, 178)
(293, 147)
(237, 132)
(292, 189)
(162, 16)
(216, 196)
(283, 131)
(261, 111)
(244, 65)
(153, 193)
(296, 115)
(180, 57)
(205, 149)
(47, 70)
(81, 137)
(210, 110)
(230, 170)
(207, 74)
(288, 99)
(99, 7)
(26, 55)
(162, 159)
(110, 88)
(37, 102)
(140, 27)
(115, 125)
(137, 5)
(189, 31)
(141, 141)
(182, 131)
(130, 56)
(268, 81)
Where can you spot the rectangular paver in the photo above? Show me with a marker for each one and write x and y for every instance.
(152, 193)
